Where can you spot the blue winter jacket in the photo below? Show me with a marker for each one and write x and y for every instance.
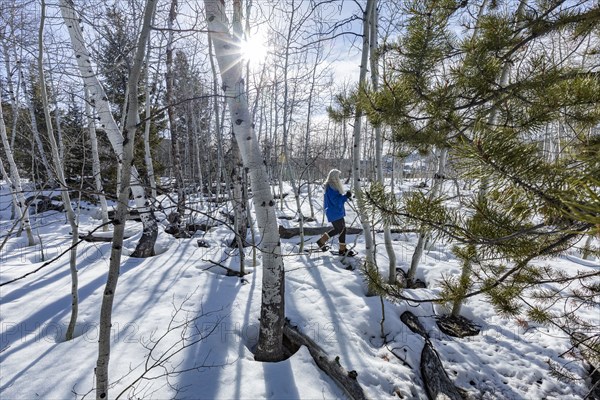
(334, 204)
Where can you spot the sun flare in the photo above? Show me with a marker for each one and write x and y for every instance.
(254, 50)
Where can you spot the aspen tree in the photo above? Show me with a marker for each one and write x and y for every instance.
(99, 101)
(226, 45)
(131, 123)
(15, 182)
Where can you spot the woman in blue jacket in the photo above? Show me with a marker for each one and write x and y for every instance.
(335, 198)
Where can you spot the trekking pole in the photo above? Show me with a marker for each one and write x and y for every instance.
(356, 215)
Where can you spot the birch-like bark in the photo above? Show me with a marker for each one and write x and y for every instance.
(96, 161)
(34, 127)
(438, 181)
(240, 221)
(270, 340)
(170, 78)
(59, 133)
(366, 224)
(147, 126)
(99, 101)
(13, 91)
(286, 127)
(15, 182)
(218, 123)
(196, 143)
(131, 123)
(307, 137)
(387, 235)
(13, 195)
(60, 177)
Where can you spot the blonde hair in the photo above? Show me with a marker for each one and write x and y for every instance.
(333, 180)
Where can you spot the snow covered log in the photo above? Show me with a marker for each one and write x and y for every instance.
(437, 383)
(413, 323)
(288, 233)
(346, 380)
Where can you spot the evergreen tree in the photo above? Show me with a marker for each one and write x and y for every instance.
(115, 57)
(454, 89)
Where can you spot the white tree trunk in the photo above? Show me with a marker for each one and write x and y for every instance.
(60, 177)
(366, 224)
(13, 90)
(286, 128)
(218, 122)
(175, 148)
(387, 235)
(131, 123)
(34, 127)
(15, 184)
(240, 221)
(196, 143)
(96, 161)
(436, 188)
(13, 195)
(147, 126)
(270, 346)
(99, 102)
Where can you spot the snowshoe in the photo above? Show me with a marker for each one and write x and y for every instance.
(317, 249)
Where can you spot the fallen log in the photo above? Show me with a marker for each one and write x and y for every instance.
(413, 323)
(437, 383)
(101, 238)
(288, 233)
(132, 215)
(346, 380)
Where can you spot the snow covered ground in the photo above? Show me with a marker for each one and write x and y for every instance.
(184, 329)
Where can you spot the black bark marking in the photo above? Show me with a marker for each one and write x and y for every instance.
(271, 203)
(239, 121)
(211, 18)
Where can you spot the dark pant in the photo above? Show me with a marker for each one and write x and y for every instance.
(339, 228)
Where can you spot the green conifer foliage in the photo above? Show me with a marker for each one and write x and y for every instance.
(493, 98)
